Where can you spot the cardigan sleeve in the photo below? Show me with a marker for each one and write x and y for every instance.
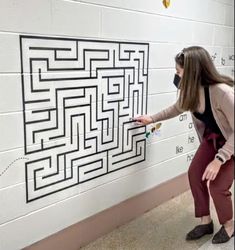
(227, 107)
(167, 113)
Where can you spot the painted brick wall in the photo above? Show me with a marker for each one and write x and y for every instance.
(208, 23)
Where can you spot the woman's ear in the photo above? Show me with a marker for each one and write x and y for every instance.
(181, 72)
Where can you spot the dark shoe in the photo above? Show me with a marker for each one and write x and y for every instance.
(221, 236)
(200, 231)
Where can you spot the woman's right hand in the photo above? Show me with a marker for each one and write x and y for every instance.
(143, 120)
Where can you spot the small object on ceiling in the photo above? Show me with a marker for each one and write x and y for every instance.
(166, 3)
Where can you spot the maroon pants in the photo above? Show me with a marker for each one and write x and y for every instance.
(219, 188)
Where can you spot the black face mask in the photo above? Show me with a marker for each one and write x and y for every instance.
(177, 80)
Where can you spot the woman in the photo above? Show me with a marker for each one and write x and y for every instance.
(209, 97)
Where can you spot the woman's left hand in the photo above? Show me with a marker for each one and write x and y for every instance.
(212, 170)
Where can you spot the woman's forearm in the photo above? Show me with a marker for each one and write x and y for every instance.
(167, 113)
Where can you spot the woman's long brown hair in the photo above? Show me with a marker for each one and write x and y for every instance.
(199, 70)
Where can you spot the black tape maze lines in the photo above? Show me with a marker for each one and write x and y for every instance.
(78, 96)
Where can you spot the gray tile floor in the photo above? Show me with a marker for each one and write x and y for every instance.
(162, 228)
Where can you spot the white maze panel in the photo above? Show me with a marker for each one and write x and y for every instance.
(78, 96)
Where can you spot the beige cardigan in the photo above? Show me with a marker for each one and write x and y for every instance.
(222, 105)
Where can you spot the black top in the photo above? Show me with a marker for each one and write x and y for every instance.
(207, 117)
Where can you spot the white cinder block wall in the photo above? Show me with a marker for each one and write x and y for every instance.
(208, 23)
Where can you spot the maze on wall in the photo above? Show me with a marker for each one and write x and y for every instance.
(78, 97)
